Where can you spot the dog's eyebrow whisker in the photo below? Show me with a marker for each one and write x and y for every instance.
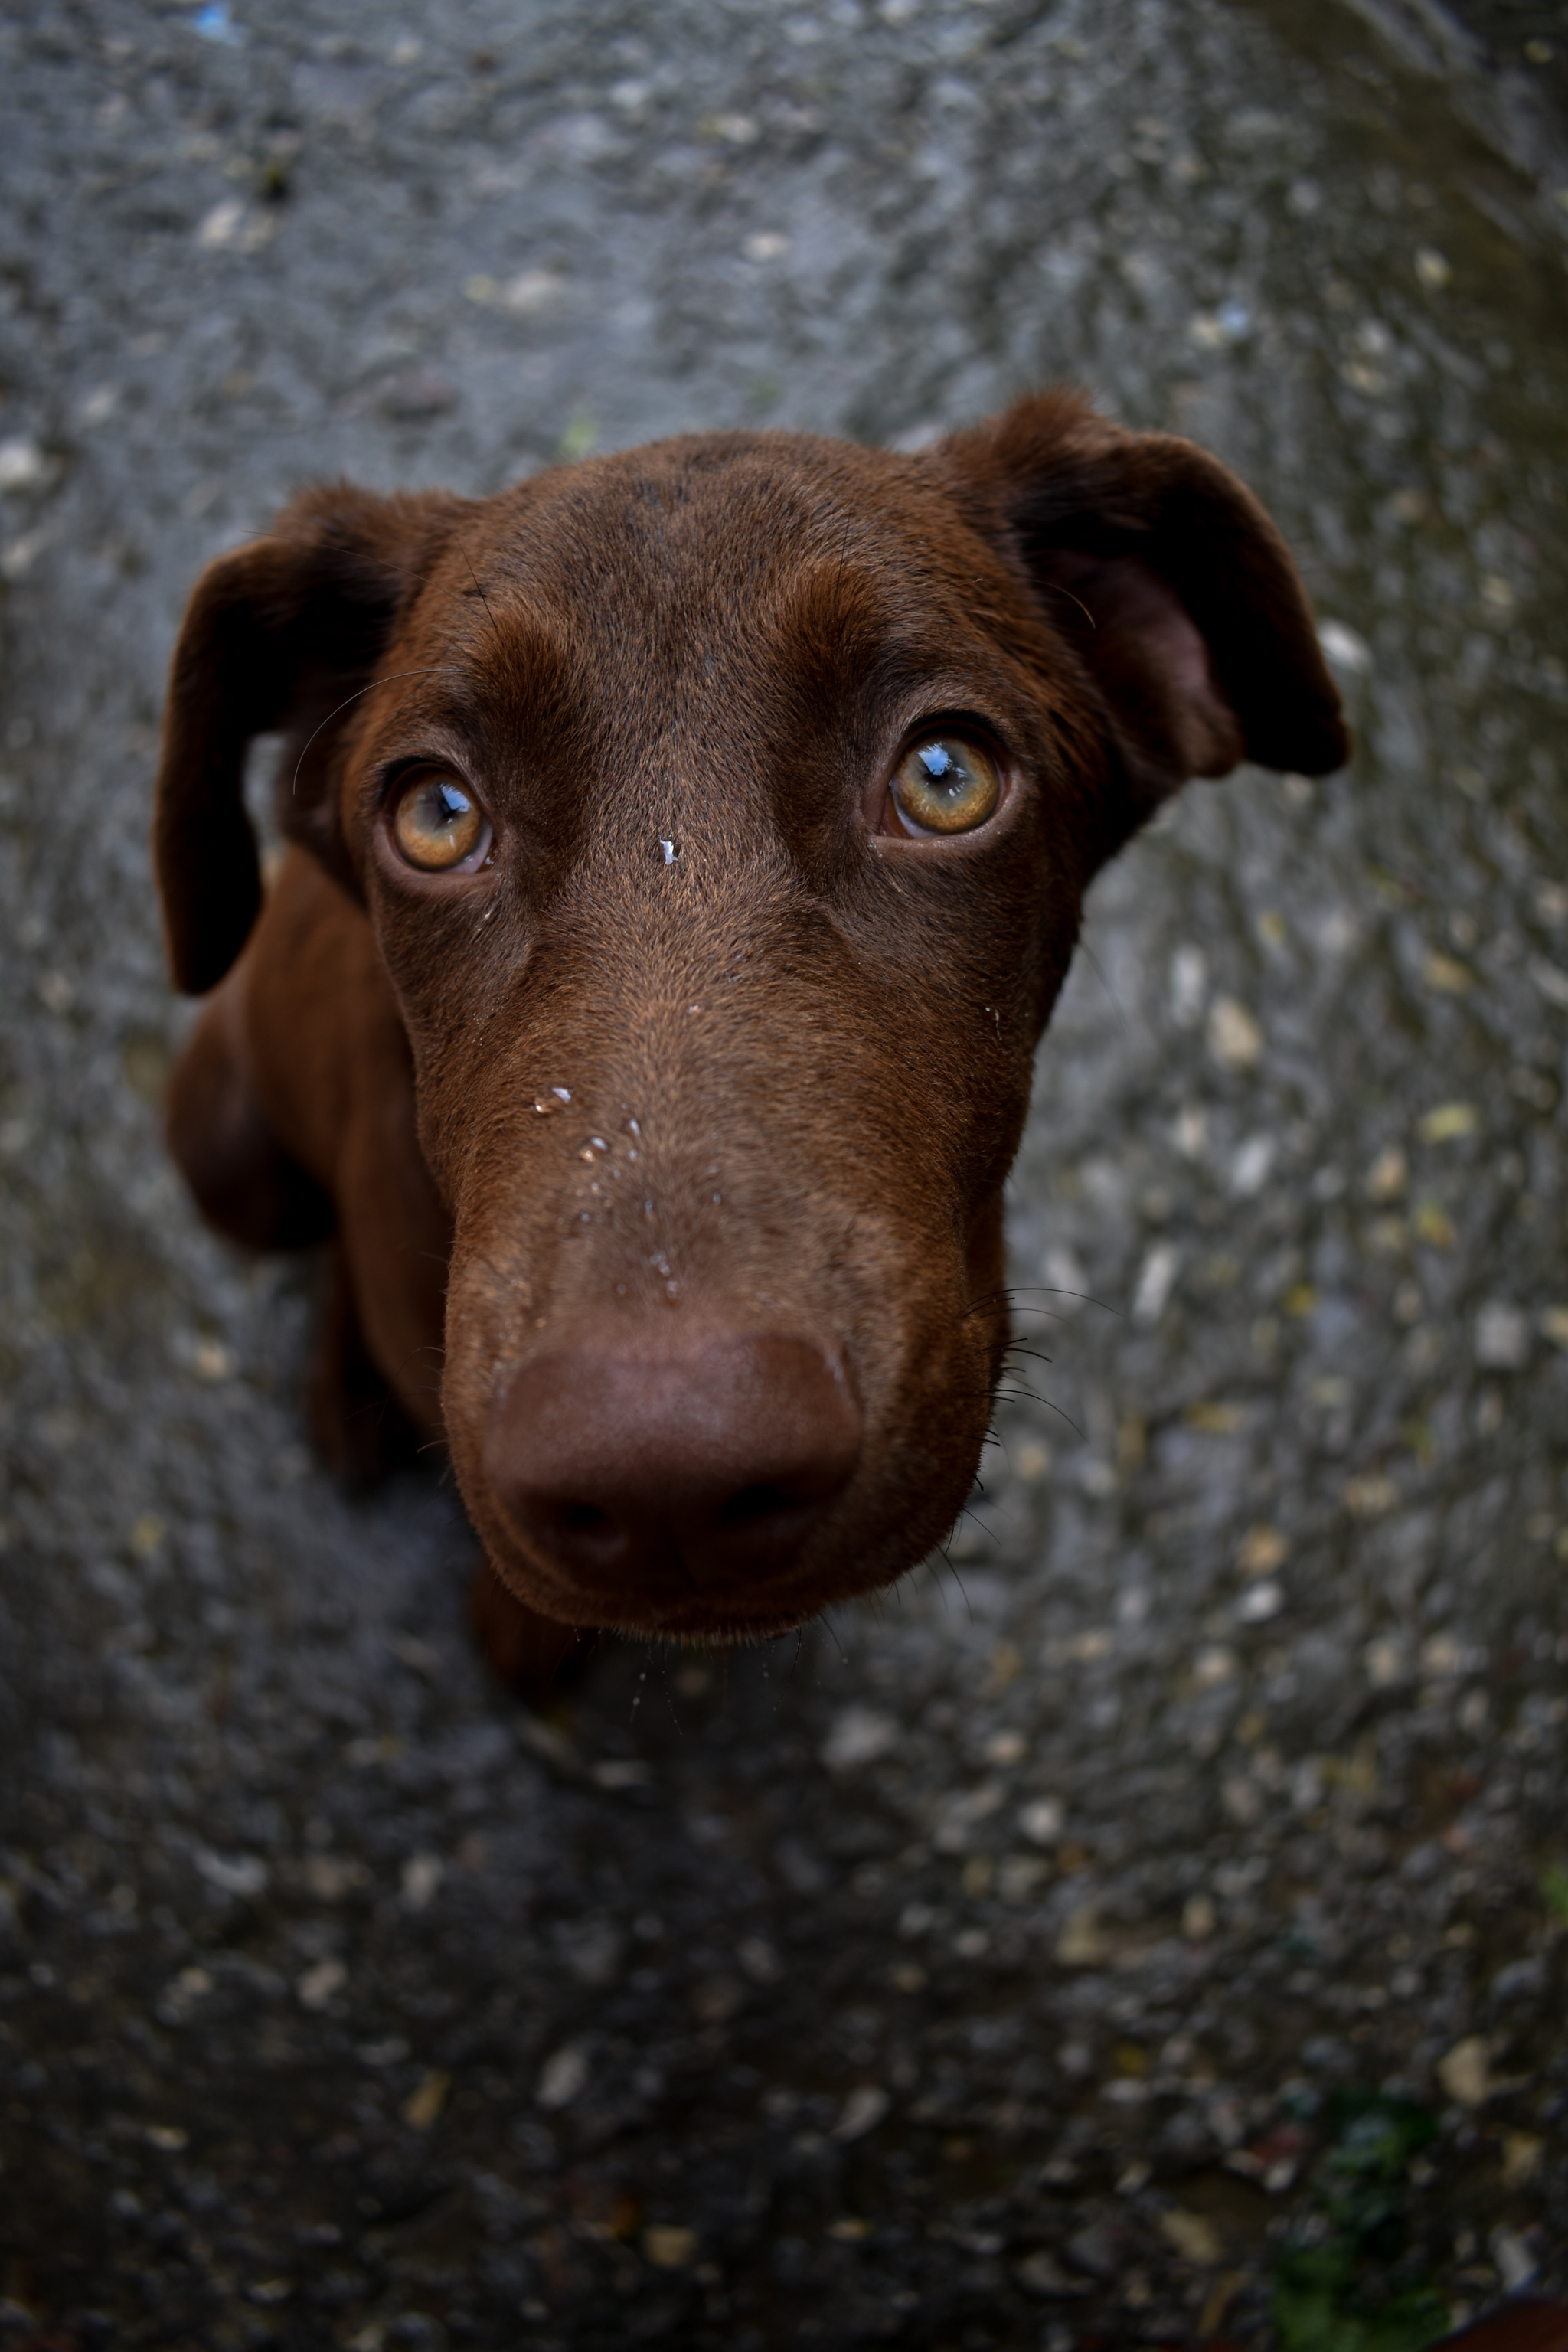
(430, 670)
(479, 590)
(1055, 588)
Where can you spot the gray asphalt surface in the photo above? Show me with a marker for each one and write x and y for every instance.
(1153, 1917)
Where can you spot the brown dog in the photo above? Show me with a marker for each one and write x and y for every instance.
(688, 847)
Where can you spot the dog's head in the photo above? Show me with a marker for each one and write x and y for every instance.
(724, 810)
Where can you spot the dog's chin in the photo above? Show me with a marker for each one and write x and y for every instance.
(692, 1613)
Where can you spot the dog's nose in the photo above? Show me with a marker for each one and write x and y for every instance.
(699, 1469)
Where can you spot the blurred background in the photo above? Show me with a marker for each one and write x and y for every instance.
(1151, 1921)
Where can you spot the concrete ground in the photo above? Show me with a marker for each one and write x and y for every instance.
(1151, 1918)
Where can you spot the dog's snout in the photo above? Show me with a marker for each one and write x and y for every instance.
(705, 1469)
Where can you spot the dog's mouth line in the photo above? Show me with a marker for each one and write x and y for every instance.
(697, 1611)
(706, 1634)
(703, 1631)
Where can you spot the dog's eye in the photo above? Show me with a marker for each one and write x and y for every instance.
(945, 785)
(439, 825)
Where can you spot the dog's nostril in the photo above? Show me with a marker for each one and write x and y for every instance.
(753, 1502)
(704, 1469)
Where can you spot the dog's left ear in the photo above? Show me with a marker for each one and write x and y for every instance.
(1170, 584)
(281, 634)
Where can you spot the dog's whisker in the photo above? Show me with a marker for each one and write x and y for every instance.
(430, 670)
(1044, 1290)
(1055, 589)
(826, 1620)
(479, 590)
(958, 1580)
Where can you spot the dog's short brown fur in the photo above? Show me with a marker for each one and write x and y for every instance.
(663, 1152)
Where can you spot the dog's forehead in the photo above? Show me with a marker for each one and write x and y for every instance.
(735, 628)
(700, 547)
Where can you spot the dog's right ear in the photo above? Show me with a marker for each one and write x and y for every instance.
(280, 634)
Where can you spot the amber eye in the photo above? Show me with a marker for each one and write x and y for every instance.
(945, 785)
(438, 825)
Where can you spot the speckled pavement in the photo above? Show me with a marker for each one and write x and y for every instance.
(1152, 1918)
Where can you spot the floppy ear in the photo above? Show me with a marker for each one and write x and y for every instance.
(1171, 584)
(280, 634)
